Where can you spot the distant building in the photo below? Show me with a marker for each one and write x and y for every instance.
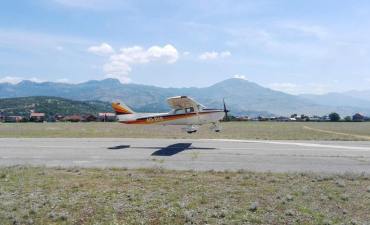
(89, 118)
(261, 118)
(314, 118)
(51, 119)
(58, 118)
(325, 118)
(13, 119)
(107, 117)
(282, 119)
(37, 117)
(241, 118)
(72, 118)
(270, 118)
(358, 117)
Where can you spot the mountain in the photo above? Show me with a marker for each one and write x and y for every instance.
(363, 94)
(338, 99)
(51, 106)
(242, 97)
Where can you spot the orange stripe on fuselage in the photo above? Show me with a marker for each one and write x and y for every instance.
(158, 119)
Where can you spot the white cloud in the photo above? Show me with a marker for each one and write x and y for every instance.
(285, 87)
(102, 49)
(214, 55)
(63, 80)
(16, 80)
(120, 64)
(35, 79)
(308, 30)
(186, 53)
(208, 55)
(122, 78)
(11, 80)
(239, 77)
(225, 54)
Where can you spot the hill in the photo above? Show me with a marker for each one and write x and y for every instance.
(243, 97)
(360, 94)
(51, 106)
(340, 100)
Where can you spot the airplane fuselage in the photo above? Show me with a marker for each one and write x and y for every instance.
(204, 116)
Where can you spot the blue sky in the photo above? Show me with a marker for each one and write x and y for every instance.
(294, 46)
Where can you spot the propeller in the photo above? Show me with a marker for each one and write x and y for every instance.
(225, 109)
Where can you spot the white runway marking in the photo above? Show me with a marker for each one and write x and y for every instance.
(81, 161)
(294, 143)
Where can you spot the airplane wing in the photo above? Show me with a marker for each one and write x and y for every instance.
(182, 102)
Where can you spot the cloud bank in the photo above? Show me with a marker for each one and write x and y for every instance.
(120, 64)
(214, 55)
(16, 80)
(102, 49)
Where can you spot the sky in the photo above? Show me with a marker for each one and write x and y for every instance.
(294, 46)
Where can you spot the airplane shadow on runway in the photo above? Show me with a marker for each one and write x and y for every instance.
(165, 151)
(119, 147)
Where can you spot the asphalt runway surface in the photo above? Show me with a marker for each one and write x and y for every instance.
(188, 154)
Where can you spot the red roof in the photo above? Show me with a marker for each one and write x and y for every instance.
(34, 114)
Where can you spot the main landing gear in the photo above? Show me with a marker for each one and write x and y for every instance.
(216, 127)
(191, 129)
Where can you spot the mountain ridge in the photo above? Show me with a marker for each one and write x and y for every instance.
(242, 96)
(337, 99)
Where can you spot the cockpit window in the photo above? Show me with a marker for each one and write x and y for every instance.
(186, 110)
(189, 110)
(179, 111)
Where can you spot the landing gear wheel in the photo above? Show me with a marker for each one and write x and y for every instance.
(216, 127)
(191, 129)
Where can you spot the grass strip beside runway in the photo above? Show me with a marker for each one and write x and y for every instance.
(231, 130)
(37, 195)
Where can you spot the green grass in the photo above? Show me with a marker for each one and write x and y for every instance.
(231, 130)
(37, 195)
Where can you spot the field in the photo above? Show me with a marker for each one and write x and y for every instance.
(37, 195)
(231, 130)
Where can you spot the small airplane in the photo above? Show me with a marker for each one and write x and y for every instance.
(185, 111)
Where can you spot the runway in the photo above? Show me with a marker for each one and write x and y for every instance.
(188, 154)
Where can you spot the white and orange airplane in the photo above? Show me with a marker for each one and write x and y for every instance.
(185, 111)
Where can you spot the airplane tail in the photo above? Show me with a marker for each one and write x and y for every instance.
(121, 109)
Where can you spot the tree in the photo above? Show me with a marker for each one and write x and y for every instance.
(334, 117)
(347, 119)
